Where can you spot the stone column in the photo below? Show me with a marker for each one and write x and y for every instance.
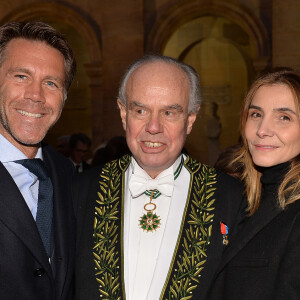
(94, 72)
(213, 129)
(286, 32)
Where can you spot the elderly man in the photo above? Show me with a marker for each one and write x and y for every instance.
(153, 225)
(36, 221)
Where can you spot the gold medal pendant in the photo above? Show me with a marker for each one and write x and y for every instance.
(150, 221)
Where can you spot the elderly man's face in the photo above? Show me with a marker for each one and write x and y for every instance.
(156, 116)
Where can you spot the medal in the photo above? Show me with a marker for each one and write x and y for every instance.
(150, 221)
(224, 231)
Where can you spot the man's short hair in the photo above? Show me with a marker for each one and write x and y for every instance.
(39, 31)
(79, 137)
(194, 97)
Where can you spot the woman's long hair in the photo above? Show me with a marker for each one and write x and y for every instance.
(289, 190)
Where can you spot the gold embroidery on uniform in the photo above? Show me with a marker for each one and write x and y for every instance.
(106, 229)
(191, 255)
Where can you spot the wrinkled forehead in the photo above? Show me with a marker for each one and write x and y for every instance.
(156, 76)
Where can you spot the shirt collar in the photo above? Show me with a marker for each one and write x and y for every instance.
(8, 152)
(136, 169)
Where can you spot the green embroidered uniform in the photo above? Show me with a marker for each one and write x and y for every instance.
(199, 246)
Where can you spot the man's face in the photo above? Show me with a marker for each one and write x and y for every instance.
(31, 92)
(156, 116)
(79, 152)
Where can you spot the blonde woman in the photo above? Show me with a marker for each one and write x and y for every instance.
(263, 261)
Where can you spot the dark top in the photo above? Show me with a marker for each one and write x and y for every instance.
(271, 179)
(262, 262)
(25, 272)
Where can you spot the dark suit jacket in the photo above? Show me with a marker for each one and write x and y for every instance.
(85, 166)
(263, 262)
(107, 183)
(25, 272)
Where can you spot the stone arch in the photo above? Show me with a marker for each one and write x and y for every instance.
(69, 15)
(180, 14)
(89, 33)
(251, 60)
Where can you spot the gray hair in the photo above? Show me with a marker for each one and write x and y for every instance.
(194, 97)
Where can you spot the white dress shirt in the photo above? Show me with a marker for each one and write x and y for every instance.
(78, 166)
(148, 255)
(26, 181)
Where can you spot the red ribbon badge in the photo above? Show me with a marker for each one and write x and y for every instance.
(224, 231)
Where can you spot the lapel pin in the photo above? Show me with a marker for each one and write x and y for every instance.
(224, 231)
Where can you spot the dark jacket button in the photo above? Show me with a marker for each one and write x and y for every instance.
(38, 272)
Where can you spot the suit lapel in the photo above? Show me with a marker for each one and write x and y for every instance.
(14, 213)
(191, 251)
(60, 259)
(263, 216)
(108, 230)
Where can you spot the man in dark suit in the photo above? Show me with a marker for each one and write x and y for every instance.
(153, 225)
(79, 145)
(36, 215)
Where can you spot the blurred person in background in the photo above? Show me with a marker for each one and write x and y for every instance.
(62, 145)
(79, 145)
(115, 148)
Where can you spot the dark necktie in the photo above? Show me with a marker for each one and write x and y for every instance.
(45, 201)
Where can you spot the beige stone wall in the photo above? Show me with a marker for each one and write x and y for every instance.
(286, 33)
(117, 30)
(107, 35)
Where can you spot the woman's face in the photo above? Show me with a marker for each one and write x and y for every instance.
(273, 129)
